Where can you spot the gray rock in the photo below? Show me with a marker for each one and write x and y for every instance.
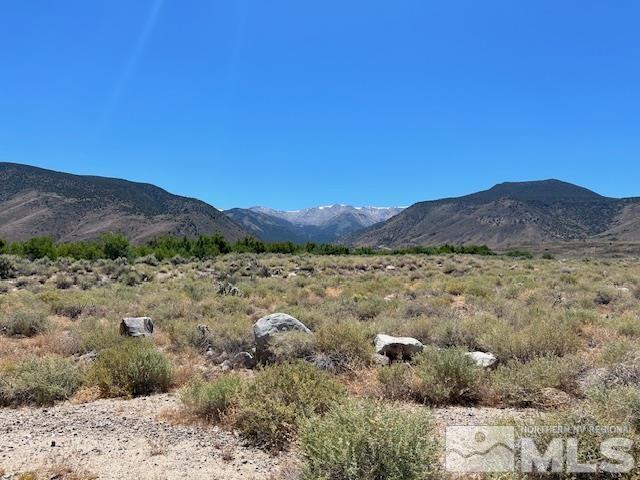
(136, 327)
(378, 359)
(274, 324)
(482, 359)
(88, 357)
(242, 360)
(397, 347)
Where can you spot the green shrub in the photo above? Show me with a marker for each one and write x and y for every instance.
(455, 287)
(446, 376)
(520, 383)
(270, 408)
(289, 346)
(132, 368)
(7, 268)
(211, 400)
(92, 335)
(63, 282)
(347, 344)
(115, 245)
(540, 337)
(397, 381)
(24, 321)
(365, 440)
(39, 381)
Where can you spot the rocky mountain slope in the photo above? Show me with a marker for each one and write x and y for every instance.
(39, 202)
(319, 224)
(510, 214)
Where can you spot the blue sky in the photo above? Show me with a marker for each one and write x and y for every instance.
(292, 103)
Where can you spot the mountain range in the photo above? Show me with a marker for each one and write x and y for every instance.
(39, 202)
(326, 224)
(510, 214)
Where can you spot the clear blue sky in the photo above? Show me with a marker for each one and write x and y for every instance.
(297, 103)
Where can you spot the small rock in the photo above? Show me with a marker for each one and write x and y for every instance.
(274, 324)
(136, 327)
(88, 357)
(482, 359)
(397, 347)
(242, 360)
(378, 359)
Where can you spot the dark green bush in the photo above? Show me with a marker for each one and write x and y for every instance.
(7, 267)
(115, 245)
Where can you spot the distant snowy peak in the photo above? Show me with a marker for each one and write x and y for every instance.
(322, 215)
(324, 224)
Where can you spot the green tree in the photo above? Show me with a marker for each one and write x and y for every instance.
(39, 247)
(115, 245)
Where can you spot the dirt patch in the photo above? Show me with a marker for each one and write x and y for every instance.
(114, 439)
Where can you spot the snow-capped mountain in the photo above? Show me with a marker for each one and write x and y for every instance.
(318, 224)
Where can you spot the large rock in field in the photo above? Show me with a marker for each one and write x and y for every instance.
(397, 348)
(136, 327)
(271, 325)
(482, 359)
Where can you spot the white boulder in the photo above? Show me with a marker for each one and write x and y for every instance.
(397, 347)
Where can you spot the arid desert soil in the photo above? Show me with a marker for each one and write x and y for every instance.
(138, 438)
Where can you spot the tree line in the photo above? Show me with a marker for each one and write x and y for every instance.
(116, 245)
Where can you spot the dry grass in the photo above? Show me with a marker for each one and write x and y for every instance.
(583, 310)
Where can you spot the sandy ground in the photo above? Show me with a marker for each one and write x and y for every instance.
(120, 439)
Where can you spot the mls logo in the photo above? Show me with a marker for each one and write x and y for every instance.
(480, 449)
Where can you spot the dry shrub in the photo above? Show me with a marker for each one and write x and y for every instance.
(396, 381)
(132, 368)
(370, 440)
(271, 407)
(522, 383)
(347, 344)
(212, 400)
(39, 381)
(445, 376)
(540, 337)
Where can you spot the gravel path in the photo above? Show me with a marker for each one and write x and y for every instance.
(116, 439)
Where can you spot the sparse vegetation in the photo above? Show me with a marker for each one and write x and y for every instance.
(38, 381)
(280, 397)
(131, 368)
(446, 376)
(212, 400)
(565, 333)
(370, 440)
